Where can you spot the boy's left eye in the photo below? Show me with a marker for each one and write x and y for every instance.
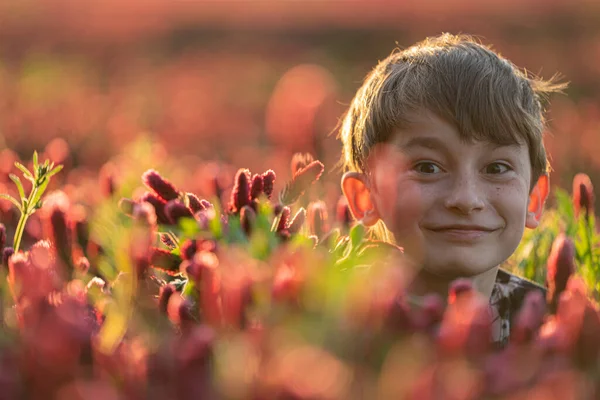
(497, 168)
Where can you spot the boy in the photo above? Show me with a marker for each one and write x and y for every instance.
(443, 153)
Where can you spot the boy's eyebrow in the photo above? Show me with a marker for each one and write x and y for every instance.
(434, 143)
(424, 141)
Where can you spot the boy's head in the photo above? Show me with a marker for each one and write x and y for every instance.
(463, 127)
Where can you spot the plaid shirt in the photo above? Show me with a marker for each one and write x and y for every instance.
(507, 298)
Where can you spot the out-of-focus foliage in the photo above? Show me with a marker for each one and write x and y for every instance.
(242, 293)
(273, 77)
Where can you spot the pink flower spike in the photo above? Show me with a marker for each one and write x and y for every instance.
(560, 266)
(175, 210)
(317, 218)
(296, 223)
(257, 186)
(160, 185)
(159, 207)
(194, 203)
(240, 194)
(583, 194)
(268, 182)
(299, 161)
(283, 219)
(164, 295)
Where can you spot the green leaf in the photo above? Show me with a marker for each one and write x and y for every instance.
(17, 182)
(12, 200)
(357, 234)
(189, 290)
(54, 171)
(35, 160)
(25, 171)
(40, 191)
(235, 234)
(189, 227)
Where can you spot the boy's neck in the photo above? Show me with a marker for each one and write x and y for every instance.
(426, 282)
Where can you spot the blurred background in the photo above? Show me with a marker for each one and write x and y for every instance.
(249, 83)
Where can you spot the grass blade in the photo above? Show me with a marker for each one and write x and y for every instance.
(25, 171)
(35, 160)
(54, 171)
(12, 200)
(17, 182)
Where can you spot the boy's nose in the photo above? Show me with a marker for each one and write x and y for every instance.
(464, 197)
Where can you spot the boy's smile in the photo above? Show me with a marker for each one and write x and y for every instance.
(473, 198)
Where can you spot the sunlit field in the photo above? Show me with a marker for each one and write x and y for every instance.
(172, 224)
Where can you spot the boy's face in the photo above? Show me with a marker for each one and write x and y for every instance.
(472, 197)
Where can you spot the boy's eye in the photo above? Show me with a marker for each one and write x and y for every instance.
(427, 167)
(497, 168)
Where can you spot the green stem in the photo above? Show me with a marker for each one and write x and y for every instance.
(19, 231)
(24, 215)
(589, 256)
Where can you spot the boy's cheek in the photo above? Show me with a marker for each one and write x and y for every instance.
(400, 205)
(398, 198)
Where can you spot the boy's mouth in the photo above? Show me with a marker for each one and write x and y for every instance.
(461, 233)
(461, 227)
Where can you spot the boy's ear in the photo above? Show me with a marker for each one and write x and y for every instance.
(355, 187)
(537, 198)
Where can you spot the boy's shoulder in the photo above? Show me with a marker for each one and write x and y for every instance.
(514, 287)
(507, 297)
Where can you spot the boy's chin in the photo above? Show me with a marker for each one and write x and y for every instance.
(454, 269)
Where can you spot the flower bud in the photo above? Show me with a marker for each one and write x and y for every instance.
(530, 317)
(300, 182)
(399, 318)
(343, 214)
(159, 185)
(80, 227)
(277, 209)
(240, 194)
(283, 219)
(159, 207)
(466, 326)
(560, 266)
(145, 214)
(206, 204)
(164, 294)
(457, 288)
(583, 194)
(268, 182)
(188, 249)
(194, 203)
(61, 237)
(429, 314)
(257, 187)
(300, 161)
(164, 260)
(7, 252)
(175, 210)
(296, 223)
(167, 241)
(247, 219)
(317, 218)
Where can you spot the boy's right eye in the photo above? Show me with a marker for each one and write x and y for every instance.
(426, 167)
